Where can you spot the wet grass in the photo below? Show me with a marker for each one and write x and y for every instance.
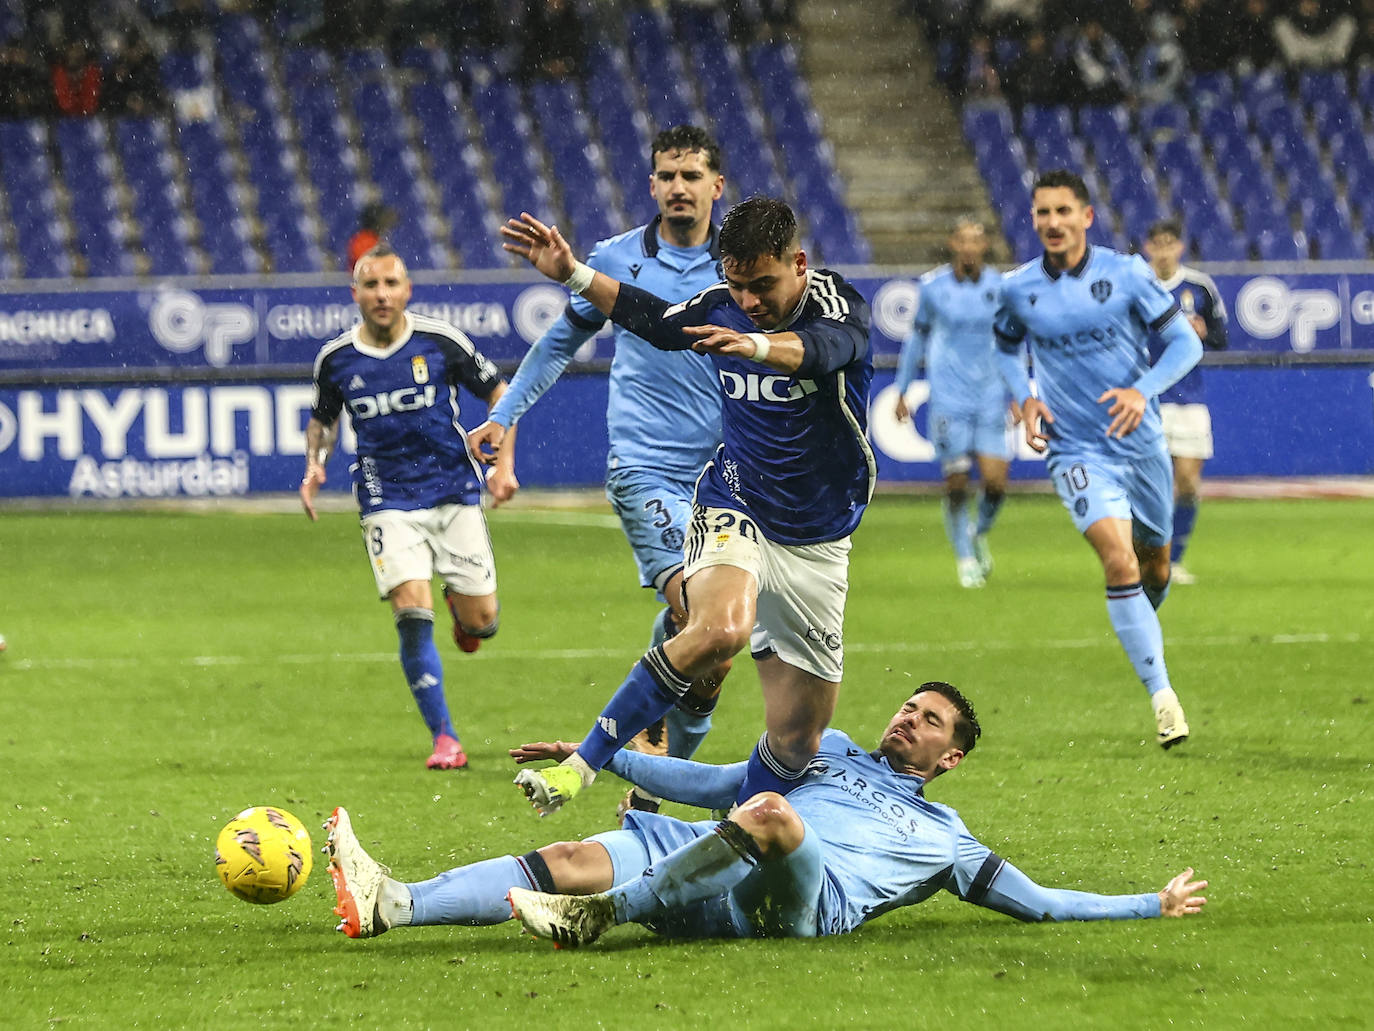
(166, 670)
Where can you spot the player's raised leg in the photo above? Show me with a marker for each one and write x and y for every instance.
(723, 599)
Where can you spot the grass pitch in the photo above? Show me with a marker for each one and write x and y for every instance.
(168, 669)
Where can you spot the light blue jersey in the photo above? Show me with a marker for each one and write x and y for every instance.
(663, 413)
(1087, 331)
(884, 844)
(873, 843)
(952, 337)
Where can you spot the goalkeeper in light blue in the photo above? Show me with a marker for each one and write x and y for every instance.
(856, 839)
(1083, 315)
(967, 418)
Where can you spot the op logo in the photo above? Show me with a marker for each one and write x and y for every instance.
(1101, 290)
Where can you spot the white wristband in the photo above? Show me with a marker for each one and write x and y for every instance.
(761, 347)
(581, 278)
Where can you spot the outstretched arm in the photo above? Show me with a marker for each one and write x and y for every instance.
(678, 780)
(1003, 887)
(544, 248)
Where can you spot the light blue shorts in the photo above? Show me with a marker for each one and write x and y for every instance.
(779, 899)
(1094, 487)
(654, 512)
(959, 436)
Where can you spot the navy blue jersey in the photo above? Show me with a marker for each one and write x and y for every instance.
(795, 455)
(1196, 294)
(403, 401)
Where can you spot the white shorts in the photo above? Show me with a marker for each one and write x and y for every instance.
(802, 588)
(1187, 430)
(450, 540)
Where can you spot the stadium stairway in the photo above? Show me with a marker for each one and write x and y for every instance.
(897, 140)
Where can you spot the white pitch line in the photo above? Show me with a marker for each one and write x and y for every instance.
(15, 664)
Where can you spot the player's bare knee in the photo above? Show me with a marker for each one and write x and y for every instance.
(1120, 566)
(715, 641)
(570, 864)
(771, 821)
(957, 493)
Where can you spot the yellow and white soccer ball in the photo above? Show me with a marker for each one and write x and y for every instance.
(263, 855)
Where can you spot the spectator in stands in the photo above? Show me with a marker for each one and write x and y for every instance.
(980, 72)
(1101, 72)
(1161, 65)
(133, 85)
(553, 44)
(1314, 35)
(1206, 34)
(1253, 34)
(1039, 75)
(183, 23)
(25, 87)
(374, 223)
(1017, 18)
(76, 81)
(1362, 50)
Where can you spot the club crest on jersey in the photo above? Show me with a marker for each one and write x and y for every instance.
(1101, 290)
(419, 368)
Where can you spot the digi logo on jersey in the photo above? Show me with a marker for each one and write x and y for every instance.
(753, 387)
(407, 399)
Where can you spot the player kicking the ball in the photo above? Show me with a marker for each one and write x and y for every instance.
(854, 839)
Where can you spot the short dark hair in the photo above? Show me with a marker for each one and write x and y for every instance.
(967, 730)
(382, 249)
(1057, 177)
(756, 228)
(1166, 227)
(689, 138)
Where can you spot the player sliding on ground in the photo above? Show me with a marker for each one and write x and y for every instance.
(854, 839)
(767, 551)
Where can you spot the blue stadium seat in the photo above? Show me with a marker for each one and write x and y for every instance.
(1281, 245)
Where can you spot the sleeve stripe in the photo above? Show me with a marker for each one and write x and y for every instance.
(1158, 323)
(581, 321)
(833, 304)
(444, 329)
(987, 873)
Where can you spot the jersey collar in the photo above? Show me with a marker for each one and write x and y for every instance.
(1077, 271)
(651, 242)
(1173, 280)
(362, 347)
(782, 326)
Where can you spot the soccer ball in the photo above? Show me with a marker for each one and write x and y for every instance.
(263, 855)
